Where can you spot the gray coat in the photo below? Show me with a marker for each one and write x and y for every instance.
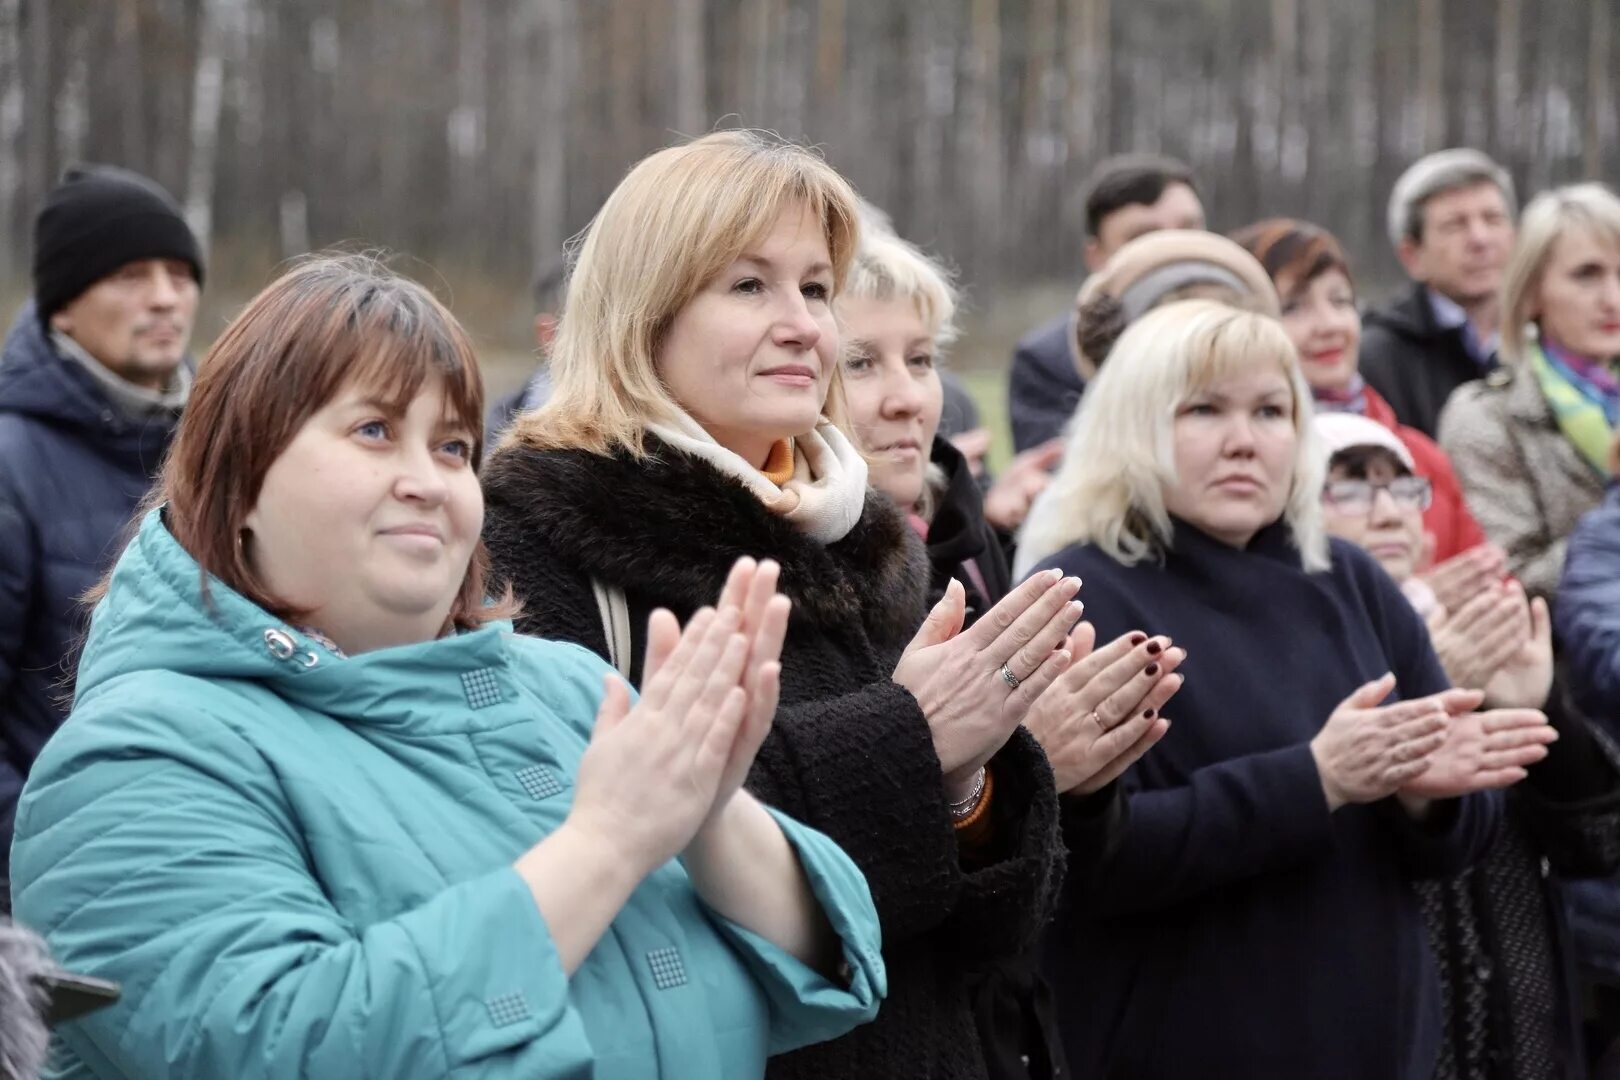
(1525, 482)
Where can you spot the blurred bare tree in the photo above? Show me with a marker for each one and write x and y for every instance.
(482, 133)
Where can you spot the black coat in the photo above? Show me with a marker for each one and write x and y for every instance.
(959, 534)
(72, 471)
(1413, 361)
(1045, 386)
(1507, 971)
(850, 752)
(1237, 929)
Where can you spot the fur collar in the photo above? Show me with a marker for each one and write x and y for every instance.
(671, 526)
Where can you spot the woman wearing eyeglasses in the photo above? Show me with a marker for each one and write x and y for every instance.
(1496, 641)
(1497, 928)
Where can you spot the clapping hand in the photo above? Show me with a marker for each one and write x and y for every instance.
(1104, 712)
(1481, 750)
(975, 687)
(656, 772)
(1524, 678)
(1007, 503)
(1462, 577)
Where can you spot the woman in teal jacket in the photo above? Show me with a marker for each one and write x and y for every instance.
(321, 813)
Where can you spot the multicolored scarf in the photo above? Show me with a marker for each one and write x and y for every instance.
(1584, 396)
(1352, 399)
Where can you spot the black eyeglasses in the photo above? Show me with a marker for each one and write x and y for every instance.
(1357, 496)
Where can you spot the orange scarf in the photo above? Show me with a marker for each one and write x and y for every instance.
(779, 463)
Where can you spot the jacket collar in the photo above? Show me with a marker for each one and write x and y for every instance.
(36, 382)
(957, 531)
(670, 526)
(155, 617)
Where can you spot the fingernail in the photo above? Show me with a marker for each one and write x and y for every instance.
(1149, 714)
(1137, 639)
(1154, 648)
(1054, 575)
(1151, 670)
(1075, 607)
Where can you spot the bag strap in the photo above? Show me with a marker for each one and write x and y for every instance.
(615, 612)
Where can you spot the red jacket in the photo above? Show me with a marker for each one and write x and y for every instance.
(1447, 519)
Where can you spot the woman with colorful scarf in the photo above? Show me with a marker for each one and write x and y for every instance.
(1530, 443)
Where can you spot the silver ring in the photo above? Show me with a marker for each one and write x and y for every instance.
(1008, 677)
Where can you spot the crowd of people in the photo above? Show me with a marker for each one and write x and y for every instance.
(709, 708)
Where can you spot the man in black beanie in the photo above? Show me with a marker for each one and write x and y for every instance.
(93, 376)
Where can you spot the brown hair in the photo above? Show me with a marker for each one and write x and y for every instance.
(1294, 253)
(330, 321)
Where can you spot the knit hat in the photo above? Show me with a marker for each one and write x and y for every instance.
(1342, 431)
(96, 220)
(1147, 269)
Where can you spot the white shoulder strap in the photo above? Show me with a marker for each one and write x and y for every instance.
(615, 612)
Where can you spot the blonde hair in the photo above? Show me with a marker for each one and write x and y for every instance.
(888, 268)
(1591, 208)
(677, 219)
(1121, 450)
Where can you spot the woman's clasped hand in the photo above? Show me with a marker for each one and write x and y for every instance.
(976, 686)
(1427, 748)
(658, 771)
(1104, 712)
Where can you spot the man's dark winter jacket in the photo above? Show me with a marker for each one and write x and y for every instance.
(1045, 385)
(850, 752)
(1238, 929)
(1413, 361)
(72, 470)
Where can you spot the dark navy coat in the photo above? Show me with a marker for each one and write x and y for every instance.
(72, 471)
(1238, 929)
(1045, 386)
(1586, 618)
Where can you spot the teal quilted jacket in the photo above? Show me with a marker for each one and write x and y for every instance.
(300, 864)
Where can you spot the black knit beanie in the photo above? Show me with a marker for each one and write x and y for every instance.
(97, 219)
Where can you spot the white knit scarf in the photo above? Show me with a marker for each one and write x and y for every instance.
(828, 490)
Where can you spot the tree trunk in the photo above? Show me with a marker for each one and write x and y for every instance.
(13, 215)
(1431, 72)
(1086, 106)
(1599, 96)
(1505, 103)
(559, 36)
(691, 110)
(207, 98)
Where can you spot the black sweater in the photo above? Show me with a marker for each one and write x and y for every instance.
(1239, 929)
(850, 752)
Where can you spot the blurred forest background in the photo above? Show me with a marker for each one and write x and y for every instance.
(478, 135)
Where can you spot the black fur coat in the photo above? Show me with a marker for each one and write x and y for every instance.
(850, 753)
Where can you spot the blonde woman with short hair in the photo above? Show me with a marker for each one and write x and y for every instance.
(898, 318)
(1256, 916)
(1530, 442)
(693, 370)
